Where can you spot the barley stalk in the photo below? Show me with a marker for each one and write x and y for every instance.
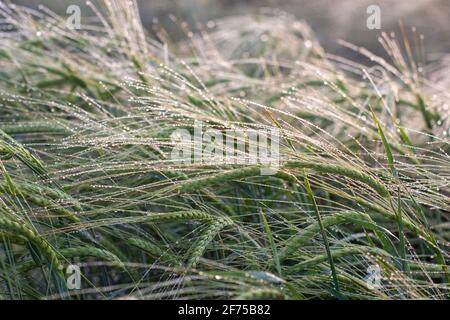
(359, 218)
(35, 238)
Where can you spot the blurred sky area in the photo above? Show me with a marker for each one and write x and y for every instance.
(330, 19)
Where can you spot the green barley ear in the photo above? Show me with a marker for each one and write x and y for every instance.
(39, 242)
(10, 145)
(33, 128)
(341, 170)
(297, 241)
(199, 247)
(79, 252)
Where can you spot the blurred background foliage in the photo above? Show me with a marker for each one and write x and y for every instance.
(330, 19)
